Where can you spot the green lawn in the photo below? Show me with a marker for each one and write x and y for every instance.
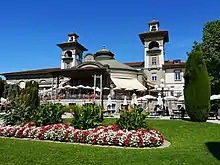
(192, 144)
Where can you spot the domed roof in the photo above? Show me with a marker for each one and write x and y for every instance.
(104, 52)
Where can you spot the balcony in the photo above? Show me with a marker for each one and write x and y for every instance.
(154, 50)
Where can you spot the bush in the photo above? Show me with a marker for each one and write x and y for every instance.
(87, 116)
(11, 91)
(19, 113)
(197, 86)
(50, 113)
(133, 120)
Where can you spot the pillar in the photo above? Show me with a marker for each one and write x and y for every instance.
(57, 85)
(94, 84)
(101, 85)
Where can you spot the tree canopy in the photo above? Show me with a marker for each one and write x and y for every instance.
(211, 53)
(197, 85)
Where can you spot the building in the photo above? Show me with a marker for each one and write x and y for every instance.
(154, 65)
(101, 69)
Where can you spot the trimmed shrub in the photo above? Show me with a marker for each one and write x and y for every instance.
(30, 94)
(133, 120)
(87, 116)
(197, 86)
(50, 113)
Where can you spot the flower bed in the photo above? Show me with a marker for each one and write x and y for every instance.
(111, 135)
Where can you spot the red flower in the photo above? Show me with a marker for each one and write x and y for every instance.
(94, 141)
(127, 140)
(115, 127)
(153, 140)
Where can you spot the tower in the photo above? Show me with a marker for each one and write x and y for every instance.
(72, 52)
(154, 41)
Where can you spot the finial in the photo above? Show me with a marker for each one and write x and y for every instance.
(104, 47)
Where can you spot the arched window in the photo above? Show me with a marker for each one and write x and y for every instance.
(153, 44)
(68, 53)
(153, 28)
(42, 82)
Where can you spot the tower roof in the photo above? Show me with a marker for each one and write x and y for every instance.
(73, 34)
(72, 43)
(147, 36)
(104, 52)
(154, 22)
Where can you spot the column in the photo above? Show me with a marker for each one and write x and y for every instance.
(101, 98)
(94, 83)
(57, 84)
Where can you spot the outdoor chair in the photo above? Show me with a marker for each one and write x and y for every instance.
(212, 115)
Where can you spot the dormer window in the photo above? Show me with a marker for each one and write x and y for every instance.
(176, 61)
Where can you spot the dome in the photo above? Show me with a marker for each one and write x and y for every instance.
(104, 53)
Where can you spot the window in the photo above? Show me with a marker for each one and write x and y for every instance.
(177, 76)
(68, 53)
(154, 60)
(153, 28)
(176, 61)
(67, 65)
(154, 77)
(153, 45)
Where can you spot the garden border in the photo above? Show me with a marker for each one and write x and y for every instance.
(166, 143)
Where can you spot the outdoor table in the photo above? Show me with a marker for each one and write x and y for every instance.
(176, 114)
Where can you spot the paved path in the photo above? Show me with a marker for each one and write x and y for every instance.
(69, 115)
(214, 121)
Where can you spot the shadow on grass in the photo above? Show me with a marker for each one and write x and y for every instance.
(186, 119)
(214, 148)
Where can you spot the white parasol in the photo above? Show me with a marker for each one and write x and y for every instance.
(169, 98)
(68, 86)
(129, 89)
(88, 87)
(73, 87)
(125, 102)
(215, 97)
(109, 100)
(80, 86)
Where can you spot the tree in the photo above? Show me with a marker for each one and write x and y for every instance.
(30, 94)
(197, 85)
(211, 53)
(2, 84)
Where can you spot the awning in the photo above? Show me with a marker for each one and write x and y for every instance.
(128, 83)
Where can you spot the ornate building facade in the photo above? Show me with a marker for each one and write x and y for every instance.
(79, 69)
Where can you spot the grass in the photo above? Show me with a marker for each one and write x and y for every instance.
(192, 143)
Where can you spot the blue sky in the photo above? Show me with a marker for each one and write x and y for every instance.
(30, 30)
